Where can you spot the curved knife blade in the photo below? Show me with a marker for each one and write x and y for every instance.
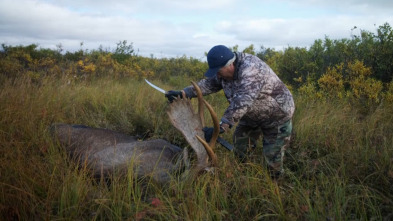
(155, 87)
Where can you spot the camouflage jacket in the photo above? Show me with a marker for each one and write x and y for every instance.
(256, 96)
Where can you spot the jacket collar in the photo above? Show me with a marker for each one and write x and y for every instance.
(237, 62)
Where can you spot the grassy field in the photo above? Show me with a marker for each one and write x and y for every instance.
(339, 166)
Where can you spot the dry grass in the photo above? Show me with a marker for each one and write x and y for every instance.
(340, 165)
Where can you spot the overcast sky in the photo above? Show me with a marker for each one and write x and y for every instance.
(173, 28)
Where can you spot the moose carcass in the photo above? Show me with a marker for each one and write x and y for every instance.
(104, 151)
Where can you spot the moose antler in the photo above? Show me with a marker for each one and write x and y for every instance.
(105, 151)
(182, 115)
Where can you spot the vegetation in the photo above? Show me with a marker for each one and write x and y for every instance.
(339, 166)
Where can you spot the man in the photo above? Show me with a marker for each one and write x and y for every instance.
(258, 101)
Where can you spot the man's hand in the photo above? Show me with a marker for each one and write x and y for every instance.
(209, 132)
(224, 127)
(172, 95)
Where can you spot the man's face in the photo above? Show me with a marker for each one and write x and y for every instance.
(226, 72)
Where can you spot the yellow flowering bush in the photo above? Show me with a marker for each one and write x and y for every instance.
(362, 85)
(332, 83)
(309, 90)
(86, 67)
(388, 95)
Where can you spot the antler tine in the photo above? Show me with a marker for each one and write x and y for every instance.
(209, 150)
(208, 146)
(200, 102)
(216, 124)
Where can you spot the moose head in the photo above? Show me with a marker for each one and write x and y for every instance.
(105, 151)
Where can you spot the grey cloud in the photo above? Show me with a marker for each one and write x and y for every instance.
(349, 6)
(106, 22)
(295, 32)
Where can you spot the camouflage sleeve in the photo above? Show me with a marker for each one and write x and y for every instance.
(246, 93)
(208, 86)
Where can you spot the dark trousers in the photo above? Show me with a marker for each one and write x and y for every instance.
(275, 142)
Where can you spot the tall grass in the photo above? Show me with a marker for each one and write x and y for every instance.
(339, 166)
